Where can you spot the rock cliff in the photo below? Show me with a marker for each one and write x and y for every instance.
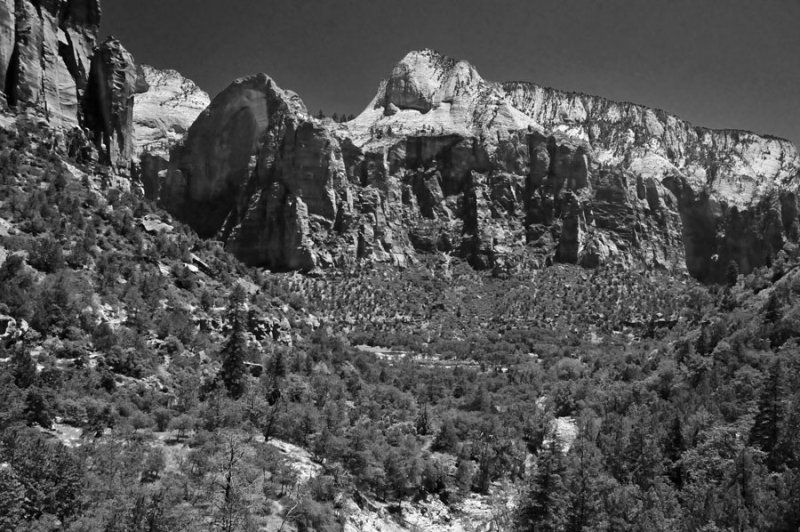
(109, 101)
(165, 107)
(506, 175)
(45, 55)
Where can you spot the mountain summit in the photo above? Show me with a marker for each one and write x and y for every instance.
(431, 93)
(506, 175)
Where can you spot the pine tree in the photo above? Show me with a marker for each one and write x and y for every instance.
(233, 372)
(772, 309)
(732, 273)
(765, 433)
(24, 368)
(423, 421)
(545, 507)
(585, 473)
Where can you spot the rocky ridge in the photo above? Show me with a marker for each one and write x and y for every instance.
(165, 107)
(506, 175)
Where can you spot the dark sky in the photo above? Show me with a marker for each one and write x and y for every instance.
(716, 63)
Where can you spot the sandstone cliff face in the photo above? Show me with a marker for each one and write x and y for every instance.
(726, 182)
(7, 38)
(165, 107)
(213, 169)
(45, 53)
(109, 101)
(507, 176)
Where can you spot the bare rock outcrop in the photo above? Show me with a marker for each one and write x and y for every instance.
(109, 100)
(210, 174)
(506, 176)
(7, 39)
(165, 107)
(51, 43)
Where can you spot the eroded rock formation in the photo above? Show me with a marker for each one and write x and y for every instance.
(211, 172)
(45, 53)
(165, 107)
(109, 101)
(505, 175)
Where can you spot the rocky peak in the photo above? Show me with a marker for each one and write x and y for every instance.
(165, 107)
(219, 154)
(428, 93)
(417, 80)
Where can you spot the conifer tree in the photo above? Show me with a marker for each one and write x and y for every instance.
(732, 273)
(545, 507)
(24, 368)
(765, 433)
(233, 372)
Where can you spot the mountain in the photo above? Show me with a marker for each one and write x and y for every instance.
(506, 175)
(165, 106)
(150, 380)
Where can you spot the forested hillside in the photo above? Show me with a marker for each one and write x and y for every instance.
(151, 382)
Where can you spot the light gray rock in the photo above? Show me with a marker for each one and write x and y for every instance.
(45, 56)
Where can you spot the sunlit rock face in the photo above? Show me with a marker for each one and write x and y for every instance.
(46, 49)
(507, 176)
(165, 107)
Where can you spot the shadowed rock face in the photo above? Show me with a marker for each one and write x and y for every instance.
(210, 176)
(45, 54)
(507, 176)
(7, 39)
(109, 102)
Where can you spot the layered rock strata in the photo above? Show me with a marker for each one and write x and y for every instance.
(46, 48)
(109, 102)
(507, 176)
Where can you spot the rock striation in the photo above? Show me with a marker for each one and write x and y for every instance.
(165, 107)
(505, 175)
(46, 48)
(109, 102)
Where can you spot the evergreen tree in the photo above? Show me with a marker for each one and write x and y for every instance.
(447, 438)
(732, 273)
(545, 507)
(585, 468)
(772, 309)
(36, 412)
(233, 372)
(423, 421)
(765, 433)
(24, 368)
